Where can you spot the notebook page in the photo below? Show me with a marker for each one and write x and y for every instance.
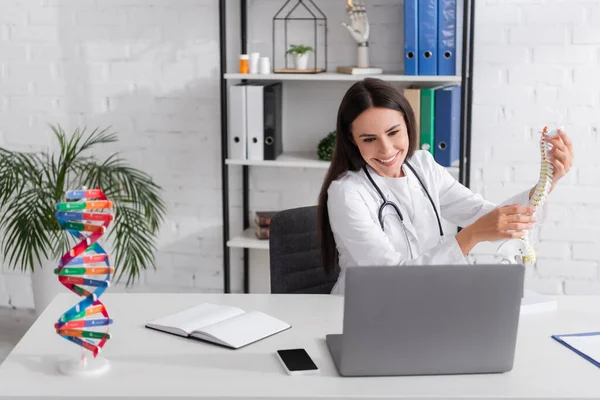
(588, 345)
(197, 317)
(245, 328)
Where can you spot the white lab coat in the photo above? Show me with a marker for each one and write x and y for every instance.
(353, 206)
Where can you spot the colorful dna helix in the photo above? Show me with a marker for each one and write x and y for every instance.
(85, 215)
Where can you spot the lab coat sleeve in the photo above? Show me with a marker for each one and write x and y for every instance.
(461, 206)
(361, 237)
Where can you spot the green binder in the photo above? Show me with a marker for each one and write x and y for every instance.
(427, 119)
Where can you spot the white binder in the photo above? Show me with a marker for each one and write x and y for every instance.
(237, 131)
(255, 121)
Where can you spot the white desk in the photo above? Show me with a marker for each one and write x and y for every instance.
(150, 363)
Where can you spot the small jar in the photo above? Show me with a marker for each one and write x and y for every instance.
(254, 63)
(264, 66)
(244, 63)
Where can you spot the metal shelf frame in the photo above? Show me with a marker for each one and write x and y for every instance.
(464, 173)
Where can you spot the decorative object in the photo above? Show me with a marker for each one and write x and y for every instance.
(86, 215)
(326, 146)
(359, 29)
(31, 183)
(299, 17)
(300, 53)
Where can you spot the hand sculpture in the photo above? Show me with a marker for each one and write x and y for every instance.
(359, 23)
(359, 29)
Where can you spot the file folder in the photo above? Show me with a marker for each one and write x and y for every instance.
(413, 95)
(450, 27)
(411, 35)
(237, 122)
(428, 36)
(427, 122)
(447, 126)
(264, 120)
(587, 345)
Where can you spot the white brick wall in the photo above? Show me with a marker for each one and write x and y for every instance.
(536, 64)
(149, 68)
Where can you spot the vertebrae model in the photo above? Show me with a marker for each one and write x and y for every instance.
(517, 251)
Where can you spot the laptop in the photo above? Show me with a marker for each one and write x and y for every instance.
(429, 320)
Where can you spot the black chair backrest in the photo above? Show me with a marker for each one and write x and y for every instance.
(295, 255)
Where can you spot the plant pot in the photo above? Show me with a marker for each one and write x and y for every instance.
(301, 61)
(45, 285)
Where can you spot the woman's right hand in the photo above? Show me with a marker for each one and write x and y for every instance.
(506, 222)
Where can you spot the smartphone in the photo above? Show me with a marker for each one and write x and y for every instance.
(297, 362)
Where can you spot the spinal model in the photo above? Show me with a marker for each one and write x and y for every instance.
(521, 250)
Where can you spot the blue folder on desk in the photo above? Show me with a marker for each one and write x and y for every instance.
(587, 345)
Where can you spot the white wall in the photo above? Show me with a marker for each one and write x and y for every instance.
(149, 68)
(537, 63)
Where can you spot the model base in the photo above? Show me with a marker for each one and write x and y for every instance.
(513, 251)
(87, 366)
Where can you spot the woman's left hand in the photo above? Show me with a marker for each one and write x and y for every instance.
(561, 155)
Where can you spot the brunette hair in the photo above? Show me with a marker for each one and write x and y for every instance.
(362, 95)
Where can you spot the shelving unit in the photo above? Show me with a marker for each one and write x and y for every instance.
(422, 81)
(246, 239)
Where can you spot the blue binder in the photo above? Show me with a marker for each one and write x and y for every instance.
(411, 36)
(450, 27)
(447, 126)
(428, 37)
(558, 338)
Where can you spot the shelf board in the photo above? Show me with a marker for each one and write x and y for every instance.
(248, 240)
(300, 160)
(422, 80)
(287, 159)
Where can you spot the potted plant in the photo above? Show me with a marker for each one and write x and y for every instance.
(300, 53)
(32, 183)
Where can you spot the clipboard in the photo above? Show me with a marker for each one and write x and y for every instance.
(576, 342)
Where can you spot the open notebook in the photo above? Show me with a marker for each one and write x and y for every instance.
(225, 325)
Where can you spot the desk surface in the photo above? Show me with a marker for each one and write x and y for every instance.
(150, 363)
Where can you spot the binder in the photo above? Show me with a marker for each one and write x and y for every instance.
(450, 26)
(428, 37)
(413, 95)
(411, 35)
(237, 122)
(427, 132)
(587, 345)
(255, 121)
(447, 126)
(264, 120)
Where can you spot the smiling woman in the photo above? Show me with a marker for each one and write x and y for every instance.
(382, 200)
(384, 149)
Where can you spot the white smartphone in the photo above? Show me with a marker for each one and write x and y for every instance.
(297, 362)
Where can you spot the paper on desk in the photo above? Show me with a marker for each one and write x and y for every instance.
(587, 344)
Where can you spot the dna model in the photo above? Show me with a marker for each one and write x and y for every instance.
(85, 215)
(521, 250)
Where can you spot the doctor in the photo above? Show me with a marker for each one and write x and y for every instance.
(382, 200)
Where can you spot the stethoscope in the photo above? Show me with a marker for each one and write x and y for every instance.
(395, 207)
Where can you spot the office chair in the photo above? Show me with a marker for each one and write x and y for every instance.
(294, 252)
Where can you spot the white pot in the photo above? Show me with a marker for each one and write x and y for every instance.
(45, 285)
(301, 61)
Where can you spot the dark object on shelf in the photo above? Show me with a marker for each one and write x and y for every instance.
(312, 16)
(263, 218)
(326, 146)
